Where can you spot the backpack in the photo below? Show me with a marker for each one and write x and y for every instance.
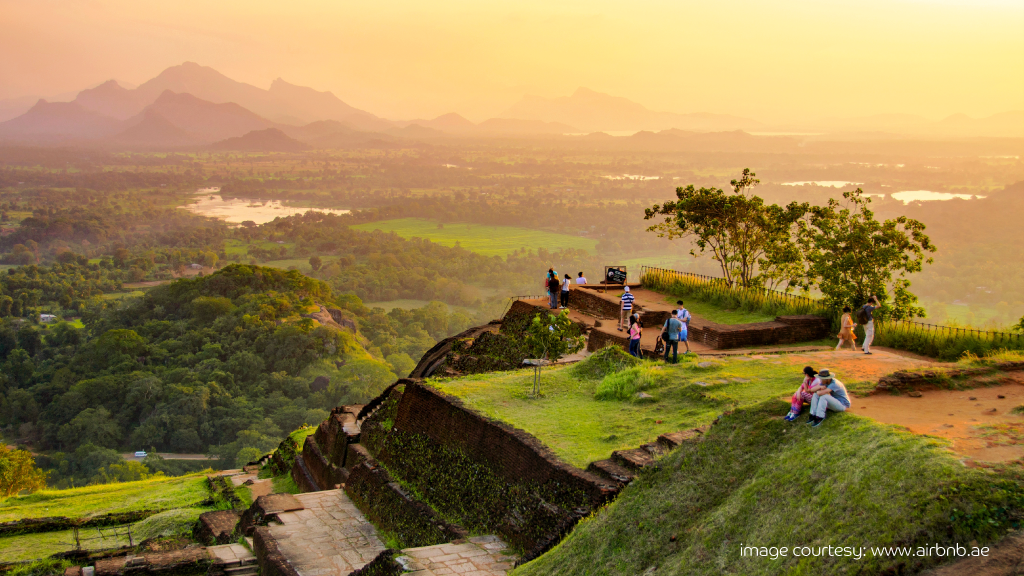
(862, 315)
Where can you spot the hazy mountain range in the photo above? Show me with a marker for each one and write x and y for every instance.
(190, 106)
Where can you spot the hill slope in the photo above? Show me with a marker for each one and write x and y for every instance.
(269, 140)
(757, 481)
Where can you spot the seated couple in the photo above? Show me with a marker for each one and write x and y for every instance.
(823, 392)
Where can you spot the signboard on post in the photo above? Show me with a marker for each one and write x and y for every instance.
(615, 274)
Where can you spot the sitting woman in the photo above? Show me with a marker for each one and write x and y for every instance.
(802, 394)
(829, 394)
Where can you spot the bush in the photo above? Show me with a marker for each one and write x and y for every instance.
(170, 523)
(605, 361)
(718, 292)
(44, 567)
(624, 384)
(945, 342)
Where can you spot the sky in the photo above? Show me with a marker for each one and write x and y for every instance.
(774, 61)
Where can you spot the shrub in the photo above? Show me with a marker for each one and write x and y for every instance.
(170, 523)
(605, 361)
(624, 384)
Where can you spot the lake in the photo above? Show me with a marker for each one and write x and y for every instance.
(238, 210)
(828, 183)
(908, 196)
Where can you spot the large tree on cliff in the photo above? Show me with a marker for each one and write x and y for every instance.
(751, 241)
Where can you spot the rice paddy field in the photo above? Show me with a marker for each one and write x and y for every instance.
(486, 240)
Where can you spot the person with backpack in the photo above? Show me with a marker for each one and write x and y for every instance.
(553, 291)
(636, 330)
(846, 334)
(670, 335)
(866, 317)
(828, 394)
(565, 291)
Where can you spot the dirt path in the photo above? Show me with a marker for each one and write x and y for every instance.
(979, 421)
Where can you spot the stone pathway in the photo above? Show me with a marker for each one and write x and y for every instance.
(480, 556)
(257, 487)
(329, 537)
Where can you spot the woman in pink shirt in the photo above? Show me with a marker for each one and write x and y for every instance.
(636, 329)
(802, 394)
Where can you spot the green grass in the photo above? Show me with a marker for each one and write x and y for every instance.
(581, 429)
(302, 264)
(152, 494)
(34, 546)
(286, 484)
(6, 267)
(240, 247)
(177, 522)
(756, 480)
(122, 295)
(486, 240)
(720, 315)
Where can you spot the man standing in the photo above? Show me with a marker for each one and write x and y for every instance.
(625, 307)
(868, 315)
(672, 329)
(684, 316)
(580, 279)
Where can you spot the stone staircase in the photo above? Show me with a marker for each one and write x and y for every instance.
(479, 556)
(232, 560)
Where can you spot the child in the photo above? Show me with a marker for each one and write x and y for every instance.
(802, 394)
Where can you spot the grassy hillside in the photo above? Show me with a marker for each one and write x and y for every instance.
(480, 238)
(580, 427)
(152, 494)
(756, 480)
(181, 500)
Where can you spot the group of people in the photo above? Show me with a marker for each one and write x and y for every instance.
(866, 317)
(823, 392)
(675, 330)
(558, 290)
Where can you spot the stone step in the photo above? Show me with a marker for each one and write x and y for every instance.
(673, 440)
(611, 470)
(654, 449)
(634, 459)
(480, 556)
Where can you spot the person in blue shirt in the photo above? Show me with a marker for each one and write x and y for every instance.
(684, 316)
(828, 393)
(672, 329)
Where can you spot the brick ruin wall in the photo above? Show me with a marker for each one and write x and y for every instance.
(422, 439)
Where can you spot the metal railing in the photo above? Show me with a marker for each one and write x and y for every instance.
(512, 299)
(713, 287)
(936, 332)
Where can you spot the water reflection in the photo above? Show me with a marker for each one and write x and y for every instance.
(237, 210)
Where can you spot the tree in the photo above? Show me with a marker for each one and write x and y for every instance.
(550, 337)
(850, 256)
(315, 263)
(751, 241)
(18, 472)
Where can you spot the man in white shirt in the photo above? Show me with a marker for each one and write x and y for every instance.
(683, 314)
(625, 307)
(580, 279)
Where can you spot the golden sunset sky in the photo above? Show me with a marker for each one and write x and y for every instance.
(773, 61)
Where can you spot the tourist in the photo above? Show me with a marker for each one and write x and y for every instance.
(670, 334)
(866, 316)
(625, 306)
(684, 316)
(802, 394)
(580, 279)
(828, 394)
(846, 330)
(553, 291)
(636, 329)
(565, 291)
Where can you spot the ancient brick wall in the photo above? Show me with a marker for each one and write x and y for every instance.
(271, 561)
(392, 508)
(592, 303)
